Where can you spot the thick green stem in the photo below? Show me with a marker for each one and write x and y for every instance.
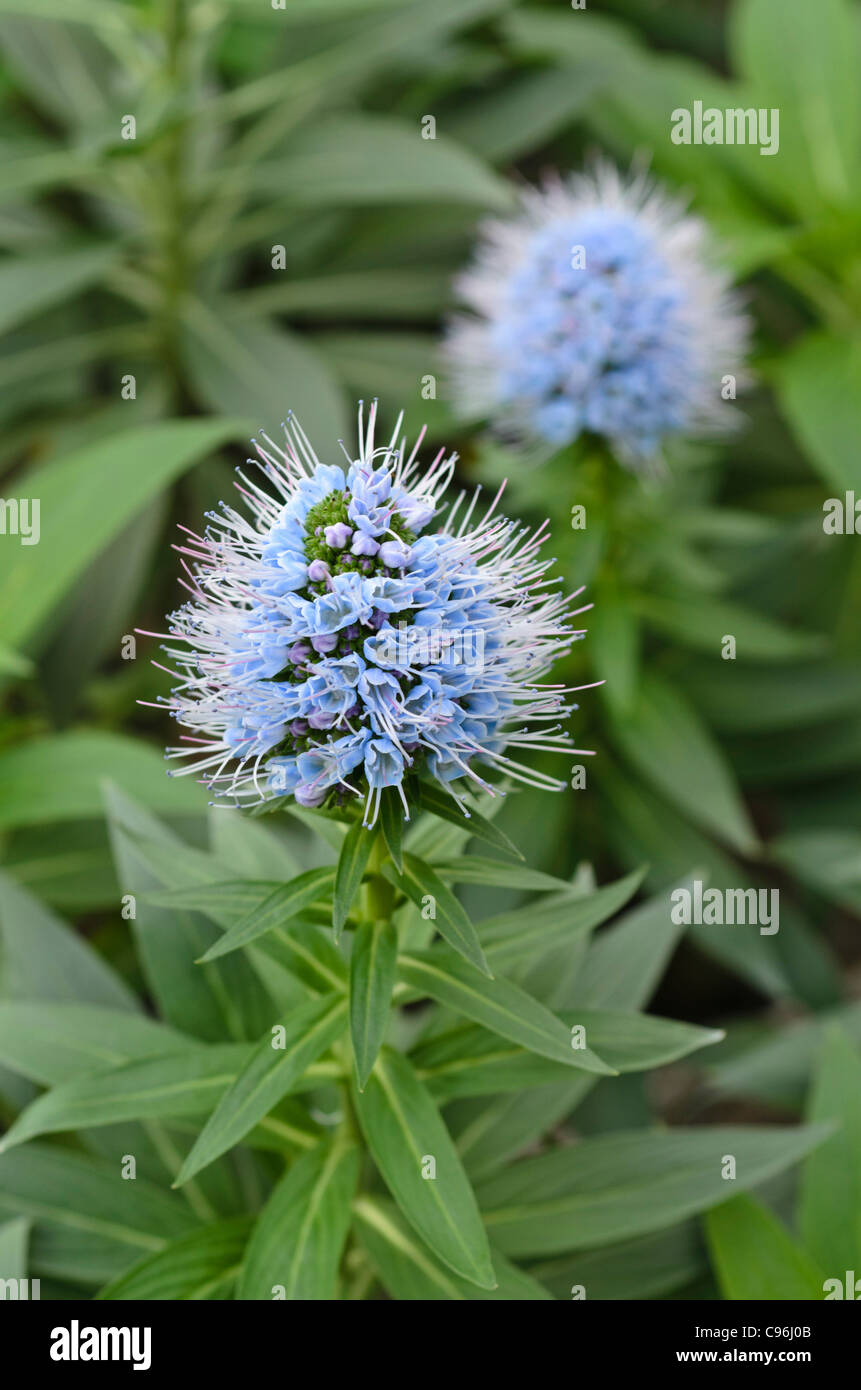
(378, 895)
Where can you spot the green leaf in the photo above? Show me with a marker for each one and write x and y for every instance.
(497, 1004)
(514, 937)
(222, 1000)
(242, 365)
(286, 902)
(359, 160)
(804, 60)
(469, 868)
(249, 848)
(99, 14)
(440, 804)
(373, 966)
(59, 778)
(225, 903)
(410, 1272)
(185, 1083)
(777, 1069)
(54, 1041)
(270, 1073)
(419, 882)
(299, 1236)
(621, 970)
(830, 1198)
(665, 741)
(372, 293)
(516, 118)
(392, 825)
(352, 862)
(701, 623)
(87, 498)
(14, 1237)
(755, 1259)
(648, 1267)
(829, 861)
(624, 1184)
(202, 1265)
(763, 699)
(625, 963)
(614, 635)
(86, 1195)
(29, 284)
(13, 664)
(404, 1130)
(471, 1061)
(43, 958)
(819, 388)
(303, 950)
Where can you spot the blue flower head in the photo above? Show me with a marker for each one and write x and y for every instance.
(350, 635)
(596, 311)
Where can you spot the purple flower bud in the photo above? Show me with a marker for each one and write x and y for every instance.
(377, 619)
(317, 571)
(394, 554)
(338, 535)
(364, 544)
(298, 727)
(326, 642)
(309, 795)
(298, 653)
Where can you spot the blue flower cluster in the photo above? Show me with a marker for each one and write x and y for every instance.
(309, 669)
(591, 332)
(597, 311)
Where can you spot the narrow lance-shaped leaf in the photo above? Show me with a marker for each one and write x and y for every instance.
(186, 1083)
(14, 1236)
(755, 1258)
(352, 862)
(274, 1067)
(297, 1242)
(419, 882)
(86, 499)
(197, 1266)
(499, 1005)
(473, 1061)
(439, 804)
(830, 1199)
(414, 1152)
(617, 1186)
(471, 868)
(373, 967)
(54, 1041)
(285, 902)
(410, 1272)
(83, 1195)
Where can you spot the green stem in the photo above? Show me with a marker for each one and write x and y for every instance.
(378, 895)
(174, 212)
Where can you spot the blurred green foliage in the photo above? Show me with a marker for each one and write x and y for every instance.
(146, 333)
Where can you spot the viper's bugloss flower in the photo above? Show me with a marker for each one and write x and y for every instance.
(354, 631)
(597, 309)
